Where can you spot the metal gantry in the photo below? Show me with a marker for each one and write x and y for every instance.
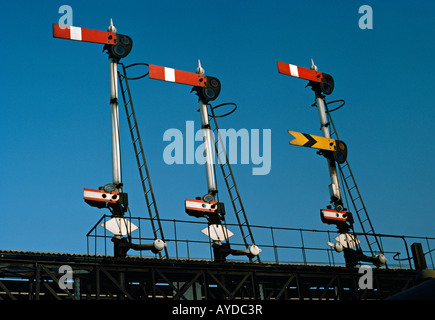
(40, 276)
(36, 276)
(208, 88)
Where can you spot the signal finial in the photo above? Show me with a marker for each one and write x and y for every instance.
(313, 66)
(199, 70)
(111, 27)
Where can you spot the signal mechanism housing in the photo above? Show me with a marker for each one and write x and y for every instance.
(103, 199)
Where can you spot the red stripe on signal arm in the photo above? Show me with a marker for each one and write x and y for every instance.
(183, 77)
(304, 73)
(309, 74)
(190, 78)
(97, 36)
(156, 72)
(283, 68)
(61, 32)
(87, 35)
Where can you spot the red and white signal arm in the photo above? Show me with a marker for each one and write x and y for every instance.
(209, 87)
(177, 76)
(117, 45)
(325, 80)
(333, 216)
(101, 196)
(200, 206)
(83, 34)
(299, 72)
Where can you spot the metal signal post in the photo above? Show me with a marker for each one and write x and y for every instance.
(334, 187)
(208, 146)
(321, 83)
(207, 88)
(110, 196)
(118, 46)
(114, 116)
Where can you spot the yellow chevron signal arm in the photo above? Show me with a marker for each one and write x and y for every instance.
(337, 147)
(312, 141)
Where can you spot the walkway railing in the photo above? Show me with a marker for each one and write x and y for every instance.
(278, 244)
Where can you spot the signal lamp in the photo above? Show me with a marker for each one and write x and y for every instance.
(122, 47)
(212, 89)
(340, 154)
(327, 84)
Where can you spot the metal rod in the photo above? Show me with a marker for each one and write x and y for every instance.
(114, 115)
(334, 189)
(208, 144)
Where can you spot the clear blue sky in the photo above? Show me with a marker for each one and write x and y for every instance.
(55, 121)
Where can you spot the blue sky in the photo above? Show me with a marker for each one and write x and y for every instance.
(55, 123)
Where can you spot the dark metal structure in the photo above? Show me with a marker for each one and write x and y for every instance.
(315, 273)
(35, 276)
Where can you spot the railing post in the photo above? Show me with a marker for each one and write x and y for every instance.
(274, 246)
(303, 247)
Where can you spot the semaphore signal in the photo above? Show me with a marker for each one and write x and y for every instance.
(335, 151)
(111, 195)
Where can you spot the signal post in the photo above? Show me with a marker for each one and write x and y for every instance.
(111, 195)
(335, 152)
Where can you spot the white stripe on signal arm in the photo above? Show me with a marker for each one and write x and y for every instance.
(169, 74)
(294, 70)
(76, 33)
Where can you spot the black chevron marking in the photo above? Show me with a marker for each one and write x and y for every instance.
(311, 141)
